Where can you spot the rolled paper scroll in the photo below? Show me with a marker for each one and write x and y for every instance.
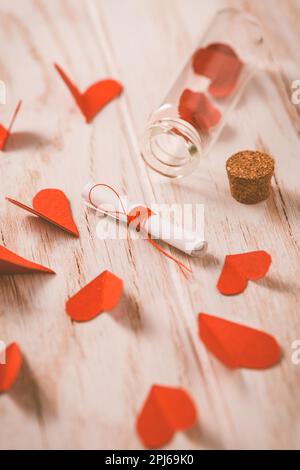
(107, 201)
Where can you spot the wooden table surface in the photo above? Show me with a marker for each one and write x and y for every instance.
(82, 385)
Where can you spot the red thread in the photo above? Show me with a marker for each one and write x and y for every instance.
(138, 217)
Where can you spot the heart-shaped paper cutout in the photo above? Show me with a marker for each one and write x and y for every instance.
(10, 370)
(11, 263)
(5, 133)
(100, 295)
(95, 97)
(195, 108)
(221, 64)
(165, 411)
(53, 206)
(237, 345)
(240, 268)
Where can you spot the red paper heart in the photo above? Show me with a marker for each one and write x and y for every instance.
(165, 411)
(10, 370)
(95, 97)
(196, 109)
(221, 64)
(241, 268)
(5, 133)
(11, 263)
(100, 295)
(53, 206)
(237, 345)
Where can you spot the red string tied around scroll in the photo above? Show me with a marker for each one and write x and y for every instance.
(136, 219)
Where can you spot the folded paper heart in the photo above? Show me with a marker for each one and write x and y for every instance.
(196, 109)
(53, 206)
(5, 132)
(221, 64)
(9, 370)
(237, 345)
(11, 263)
(95, 97)
(100, 295)
(240, 268)
(165, 411)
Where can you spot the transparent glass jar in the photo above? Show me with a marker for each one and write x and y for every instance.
(183, 129)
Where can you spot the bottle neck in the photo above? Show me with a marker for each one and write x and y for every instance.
(171, 147)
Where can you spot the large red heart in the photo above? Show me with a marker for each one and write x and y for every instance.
(95, 97)
(165, 411)
(53, 206)
(221, 64)
(238, 345)
(9, 371)
(239, 269)
(100, 295)
(11, 263)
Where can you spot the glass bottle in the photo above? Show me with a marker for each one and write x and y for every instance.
(182, 130)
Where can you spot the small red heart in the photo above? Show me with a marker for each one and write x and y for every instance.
(100, 295)
(95, 97)
(165, 411)
(241, 268)
(9, 371)
(5, 133)
(237, 345)
(221, 64)
(53, 206)
(11, 263)
(196, 109)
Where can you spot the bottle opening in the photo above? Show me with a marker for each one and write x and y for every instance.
(171, 147)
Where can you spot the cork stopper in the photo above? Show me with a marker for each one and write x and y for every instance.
(249, 173)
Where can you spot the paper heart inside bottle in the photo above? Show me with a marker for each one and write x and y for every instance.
(181, 132)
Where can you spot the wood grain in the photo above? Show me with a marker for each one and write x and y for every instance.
(83, 384)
